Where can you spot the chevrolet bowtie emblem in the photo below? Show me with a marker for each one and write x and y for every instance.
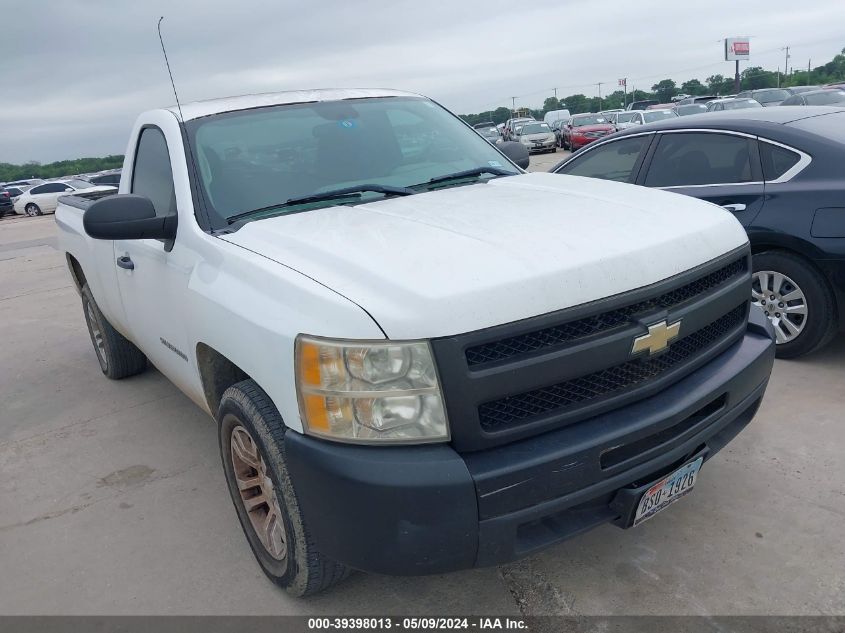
(657, 339)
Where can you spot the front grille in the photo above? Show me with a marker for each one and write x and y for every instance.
(567, 333)
(522, 408)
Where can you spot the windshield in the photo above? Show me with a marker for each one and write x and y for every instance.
(651, 116)
(593, 119)
(627, 117)
(740, 104)
(79, 184)
(824, 97)
(535, 128)
(767, 96)
(252, 159)
(692, 108)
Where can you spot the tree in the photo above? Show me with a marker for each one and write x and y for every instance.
(576, 103)
(665, 89)
(755, 77)
(693, 87)
(551, 103)
(714, 83)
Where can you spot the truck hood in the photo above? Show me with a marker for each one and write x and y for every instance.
(461, 259)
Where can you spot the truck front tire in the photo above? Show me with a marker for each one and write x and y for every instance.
(252, 448)
(118, 357)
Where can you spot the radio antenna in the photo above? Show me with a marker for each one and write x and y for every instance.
(169, 72)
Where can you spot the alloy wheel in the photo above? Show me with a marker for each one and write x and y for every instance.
(97, 336)
(257, 492)
(783, 301)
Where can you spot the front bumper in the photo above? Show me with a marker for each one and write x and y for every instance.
(428, 509)
(542, 147)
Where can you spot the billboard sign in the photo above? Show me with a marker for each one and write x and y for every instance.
(737, 48)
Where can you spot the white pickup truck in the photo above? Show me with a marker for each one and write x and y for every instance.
(420, 358)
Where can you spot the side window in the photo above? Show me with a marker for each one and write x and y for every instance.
(776, 160)
(50, 187)
(152, 176)
(610, 161)
(698, 158)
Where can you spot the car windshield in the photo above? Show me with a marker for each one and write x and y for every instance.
(824, 97)
(593, 119)
(79, 184)
(651, 116)
(535, 128)
(741, 103)
(692, 108)
(768, 96)
(626, 117)
(259, 158)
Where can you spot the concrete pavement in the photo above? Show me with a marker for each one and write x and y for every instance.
(112, 498)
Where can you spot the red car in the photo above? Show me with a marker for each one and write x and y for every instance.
(583, 129)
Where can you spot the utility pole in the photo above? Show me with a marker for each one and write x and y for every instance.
(599, 85)
(808, 70)
(555, 89)
(513, 105)
(785, 63)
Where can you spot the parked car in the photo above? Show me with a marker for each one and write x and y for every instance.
(778, 171)
(555, 115)
(556, 126)
(608, 113)
(641, 105)
(797, 90)
(583, 129)
(23, 183)
(661, 106)
(690, 108)
(642, 117)
(735, 103)
(512, 124)
(43, 198)
(5, 201)
(537, 137)
(698, 99)
(766, 96)
(490, 132)
(817, 97)
(16, 190)
(110, 177)
(417, 361)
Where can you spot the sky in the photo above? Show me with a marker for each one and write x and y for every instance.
(76, 73)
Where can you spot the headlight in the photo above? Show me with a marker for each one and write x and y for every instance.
(369, 391)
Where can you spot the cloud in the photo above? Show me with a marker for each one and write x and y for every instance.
(78, 73)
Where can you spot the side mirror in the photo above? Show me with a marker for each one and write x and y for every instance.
(517, 152)
(127, 217)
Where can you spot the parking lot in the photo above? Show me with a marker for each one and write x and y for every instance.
(112, 499)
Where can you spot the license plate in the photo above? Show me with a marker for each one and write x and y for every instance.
(668, 490)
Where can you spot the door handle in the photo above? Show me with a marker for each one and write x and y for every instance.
(126, 262)
(734, 207)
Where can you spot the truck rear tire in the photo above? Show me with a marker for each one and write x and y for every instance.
(252, 448)
(117, 356)
(796, 299)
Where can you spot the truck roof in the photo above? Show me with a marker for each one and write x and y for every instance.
(197, 109)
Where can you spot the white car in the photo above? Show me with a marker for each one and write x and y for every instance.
(536, 137)
(43, 198)
(624, 120)
(419, 358)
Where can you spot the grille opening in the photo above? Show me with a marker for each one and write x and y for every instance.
(616, 456)
(526, 407)
(566, 333)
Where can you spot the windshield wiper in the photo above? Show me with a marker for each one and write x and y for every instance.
(335, 194)
(468, 173)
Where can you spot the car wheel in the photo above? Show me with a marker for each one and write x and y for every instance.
(252, 447)
(796, 299)
(117, 356)
(32, 210)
